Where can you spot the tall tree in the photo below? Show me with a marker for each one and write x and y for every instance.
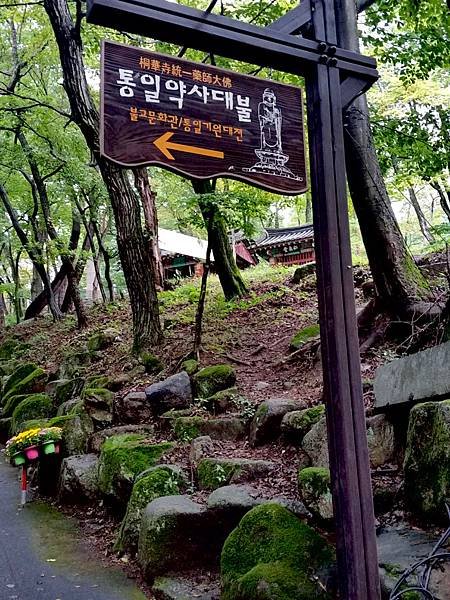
(230, 278)
(398, 281)
(133, 250)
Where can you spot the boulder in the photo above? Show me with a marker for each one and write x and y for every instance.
(213, 379)
(224, 401)
(97, 439)
(315, 489)
(191, 366)
(266, 424)
(163, 480)
(176, 534)
(26, 379)
(273, 555)
(399, 548)
(415, 378)
(172, 393)
(305, 335)
(73, 406)
(201, 447)
(381, 440)
(74, 364)
(133, 408)
(230, 428)
(427, 459)
(303, 271)
(78, 481)
(315, 444)
(179, 588)
(296, 424)
(77, 432)
(63, 390)
(122, 458)
(102, 339)
(151, 363)
(213, 473)
(98, 403)
(167, 419)
(36, 406)
(380, 437)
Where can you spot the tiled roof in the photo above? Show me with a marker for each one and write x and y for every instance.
(274, 237)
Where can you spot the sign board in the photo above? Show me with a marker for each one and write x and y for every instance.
(200, 121)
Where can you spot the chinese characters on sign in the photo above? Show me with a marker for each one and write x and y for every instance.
(200, 121)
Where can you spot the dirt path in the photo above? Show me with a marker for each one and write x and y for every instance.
(43, 558)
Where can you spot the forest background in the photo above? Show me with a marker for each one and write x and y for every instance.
(63, 207)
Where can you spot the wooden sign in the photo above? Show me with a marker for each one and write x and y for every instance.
(200, 121)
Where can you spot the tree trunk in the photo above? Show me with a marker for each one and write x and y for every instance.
(230, 278)
(35, 254)
(148, 197)
(397, 278)
(133, 250)
(308, 209)
(423, 223)
(445, 204)
(36, 284)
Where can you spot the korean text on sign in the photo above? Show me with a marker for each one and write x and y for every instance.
(178, 90)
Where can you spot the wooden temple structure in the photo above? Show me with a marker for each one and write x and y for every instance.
(286, 246)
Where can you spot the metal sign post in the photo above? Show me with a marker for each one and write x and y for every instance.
(334, 78)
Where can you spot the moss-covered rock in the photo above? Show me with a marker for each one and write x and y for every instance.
(63, 390)
(53, 422)
(151, 362)
(11, 404)
(122, 458)
(74, 364)
(176, 534)
(163, 480)
(191, 366)
(213, 379)
(272, 555)
(98, 403)
(296, 424)
(304, 335)
(229, 400)
(24, 380)
(102, 339)
(315, 489)
(36, 406)
(213, 473)
(77, 431)
(221, 428)
(427, 459)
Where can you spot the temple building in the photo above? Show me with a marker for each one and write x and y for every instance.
(287, 246)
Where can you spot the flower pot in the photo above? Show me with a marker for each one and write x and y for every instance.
(18, 459)
(49, 448)
(57, 447)
(32, 453)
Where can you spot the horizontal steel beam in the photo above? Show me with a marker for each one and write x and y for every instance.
(179, 24)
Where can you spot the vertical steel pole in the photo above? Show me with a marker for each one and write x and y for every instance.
(347, 441)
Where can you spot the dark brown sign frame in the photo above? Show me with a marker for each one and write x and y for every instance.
(253, 132)
(334, 78)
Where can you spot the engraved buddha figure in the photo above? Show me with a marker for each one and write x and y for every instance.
(270, 120)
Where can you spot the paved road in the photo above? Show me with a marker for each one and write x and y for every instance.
(41, 557)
